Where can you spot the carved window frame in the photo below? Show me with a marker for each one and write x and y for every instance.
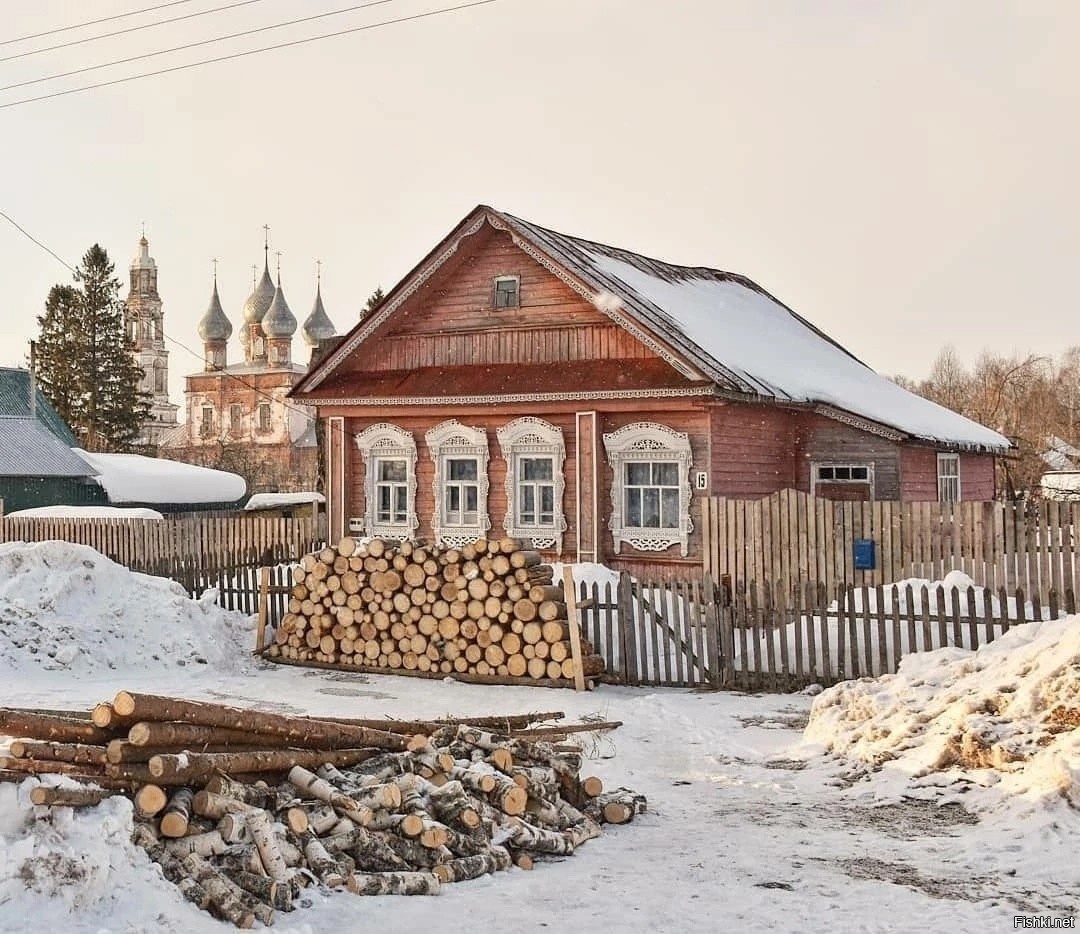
(385, 441)
(447, 440)
(534, 437)
(649, 442)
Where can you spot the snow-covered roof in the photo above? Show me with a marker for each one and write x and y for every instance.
(749, 342)
(720, 327)
(29, 449)
(1061, 484)
(133, 478)
(277, 500)
(84, 512)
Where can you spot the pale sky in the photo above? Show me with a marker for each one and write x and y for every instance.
(902, 174)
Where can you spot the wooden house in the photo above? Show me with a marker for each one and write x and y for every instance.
(521, 381)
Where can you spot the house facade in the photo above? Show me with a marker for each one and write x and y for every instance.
(521, 381)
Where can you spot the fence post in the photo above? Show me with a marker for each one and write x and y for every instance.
(712, 631)
(627, 629)
(264, 592)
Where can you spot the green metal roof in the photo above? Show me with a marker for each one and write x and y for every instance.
(15, 403)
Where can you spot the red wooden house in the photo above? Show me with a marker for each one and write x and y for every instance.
(526, 382)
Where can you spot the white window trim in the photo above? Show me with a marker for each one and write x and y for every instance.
(384, 440)
(649, 441)
(534, 437)
(814, 481)
(942, 456)
(448, 440)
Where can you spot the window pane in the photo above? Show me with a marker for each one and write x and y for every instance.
(401, 503)
(536, 468)
(825, 473)
(547, 499)
(394, 470)
(666, 474)
(528, 499)
(471, 498)
(453, 498)
(633, 508)
(650, 508)
(638, 474)
(860, 473)
(462, 469)
(670, 509)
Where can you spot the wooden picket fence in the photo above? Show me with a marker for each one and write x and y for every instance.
(197, 551)
(791, 538)
(695, 634)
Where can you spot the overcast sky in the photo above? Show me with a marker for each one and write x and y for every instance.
(902, 174)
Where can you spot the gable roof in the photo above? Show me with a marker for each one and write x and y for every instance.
(720, 325)
(15, 403)
(29, 449)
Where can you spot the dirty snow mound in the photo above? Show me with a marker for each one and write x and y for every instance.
(65, 606)
(1007, 714)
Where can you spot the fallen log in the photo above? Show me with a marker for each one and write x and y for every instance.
(58, 752)
(199, 767)
(55, 796)
(19, 723)
(310, 733)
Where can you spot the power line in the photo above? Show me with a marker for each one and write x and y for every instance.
(121, 32)
(269, 48)
(192, 45)
(172, 340)
(93, 22)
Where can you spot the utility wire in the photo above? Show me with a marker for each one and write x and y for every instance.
(93, 22)
(172, 340)
(121, 32)
(193, 45)
(269, 48)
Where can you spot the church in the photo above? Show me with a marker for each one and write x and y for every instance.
(237, 415)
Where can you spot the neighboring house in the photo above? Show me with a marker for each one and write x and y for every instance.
(521, 381)
(1060, 455)
(37, 465)
(237, 414)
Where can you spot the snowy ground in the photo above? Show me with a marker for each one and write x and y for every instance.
(750, 827)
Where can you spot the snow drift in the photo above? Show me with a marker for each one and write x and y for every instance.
(65, 606)
(1007, 714)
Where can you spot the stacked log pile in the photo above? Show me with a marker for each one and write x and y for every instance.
(488, 610)
(244, 809)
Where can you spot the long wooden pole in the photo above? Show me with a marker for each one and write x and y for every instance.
(575, 633)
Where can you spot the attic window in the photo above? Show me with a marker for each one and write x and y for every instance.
(507, 292)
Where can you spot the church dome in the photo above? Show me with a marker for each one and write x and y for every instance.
(143, 259)
(214, 325)
(279, 320)
(318, 325)
(258, 302)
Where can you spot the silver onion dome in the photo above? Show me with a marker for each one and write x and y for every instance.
(258, 302)
(279, 320)
(318, 325)
(214, 325)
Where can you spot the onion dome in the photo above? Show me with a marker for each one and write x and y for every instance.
(258, 302)
(279, 321)
(318, 325)
(214, 326)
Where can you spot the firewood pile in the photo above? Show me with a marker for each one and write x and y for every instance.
(489, 611)
(244, 809)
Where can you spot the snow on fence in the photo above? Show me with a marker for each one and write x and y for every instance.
(791, 538)
(694, 634)
(198, 551)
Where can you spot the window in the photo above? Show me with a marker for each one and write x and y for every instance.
(389, 480)
(461, 483)
(534, 453)
(948, 478)
(834, 473)
(650, 492)
(206, 429)
(391, 490)
(264, 416)
(461, 490)
(159, 377)
(236, 418)
(507, 292)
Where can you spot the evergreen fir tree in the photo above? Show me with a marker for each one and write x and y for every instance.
(373, 299)
(85, 359)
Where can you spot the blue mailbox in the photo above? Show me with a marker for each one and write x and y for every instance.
(865, 558)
